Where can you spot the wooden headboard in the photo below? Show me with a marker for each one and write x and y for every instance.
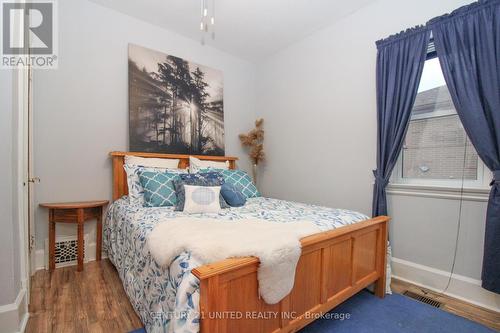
(120, 187)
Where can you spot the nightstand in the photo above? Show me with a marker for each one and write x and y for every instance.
(78, 213)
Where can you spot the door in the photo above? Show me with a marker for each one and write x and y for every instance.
(25, 166)
(32, 179)
(24, 180)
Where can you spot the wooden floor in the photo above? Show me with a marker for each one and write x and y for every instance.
(94, 301)
(88, 301)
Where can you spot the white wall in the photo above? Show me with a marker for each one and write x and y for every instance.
(81, 109)
(9, 290)
(424, 231)
(13, 304)
(318, 100)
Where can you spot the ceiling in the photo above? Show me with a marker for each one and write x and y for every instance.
(248, 29)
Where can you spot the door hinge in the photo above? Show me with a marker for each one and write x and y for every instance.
(34, 180)
(32, 242)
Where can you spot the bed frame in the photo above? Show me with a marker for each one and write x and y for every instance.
(120, 187)
(334, 266)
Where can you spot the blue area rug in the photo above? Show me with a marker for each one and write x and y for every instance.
(393, 314)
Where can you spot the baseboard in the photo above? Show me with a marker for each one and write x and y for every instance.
(24, 322)
(41, 261)
(14, 316)
(461, 287)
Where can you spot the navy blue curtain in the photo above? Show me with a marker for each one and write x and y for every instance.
(468, 46)
(400, 61)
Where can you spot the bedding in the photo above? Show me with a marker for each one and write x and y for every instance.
(277, 245)
(201, 199)
(164, 163)
(136, 191)
(195, 164)
(239, 178)
(166, 298)
(158, 188)
(198, 179)
(232, 195)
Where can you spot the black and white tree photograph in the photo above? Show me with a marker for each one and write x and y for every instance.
(175, 106)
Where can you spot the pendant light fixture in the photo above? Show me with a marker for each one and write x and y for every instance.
(207, 19)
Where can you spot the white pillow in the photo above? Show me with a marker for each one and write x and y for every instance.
(164, 163)
(202, 199)
(195, 164)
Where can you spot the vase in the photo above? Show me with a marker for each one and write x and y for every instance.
(254, 174)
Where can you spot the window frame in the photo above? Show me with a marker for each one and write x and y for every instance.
(482, 181)
(483, 173)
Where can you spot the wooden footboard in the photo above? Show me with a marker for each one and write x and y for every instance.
(334, 266)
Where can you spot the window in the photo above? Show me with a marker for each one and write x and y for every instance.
(436, 150)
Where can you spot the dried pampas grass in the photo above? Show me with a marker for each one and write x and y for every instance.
(254, 140)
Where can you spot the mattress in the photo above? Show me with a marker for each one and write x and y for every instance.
(166, 298)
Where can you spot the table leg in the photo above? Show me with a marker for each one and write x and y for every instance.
(80, 240)
(98, 245)
(52, 242)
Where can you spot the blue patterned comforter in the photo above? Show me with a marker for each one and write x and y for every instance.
(166, 298)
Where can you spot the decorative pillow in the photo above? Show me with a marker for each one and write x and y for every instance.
(195, 164)
(202, 199)
(158, 188)
(232, 195)
(163, 163)
(198, 179)
(135, 189)
(240, 179)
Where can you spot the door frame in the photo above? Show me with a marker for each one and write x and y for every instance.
(23, 160)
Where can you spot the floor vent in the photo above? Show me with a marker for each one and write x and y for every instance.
(423, 299)
(66, 250)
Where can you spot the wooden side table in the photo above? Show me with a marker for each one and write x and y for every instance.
(75, 212)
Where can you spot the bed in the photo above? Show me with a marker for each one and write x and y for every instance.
(347, 256)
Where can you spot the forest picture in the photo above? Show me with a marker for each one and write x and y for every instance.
(175, 106)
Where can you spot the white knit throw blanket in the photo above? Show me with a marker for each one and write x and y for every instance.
(277, 245)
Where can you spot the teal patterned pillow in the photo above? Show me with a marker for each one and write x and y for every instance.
(135, 189)
(240, 179)
(158, 188)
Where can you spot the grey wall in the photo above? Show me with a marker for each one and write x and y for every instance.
(424, 230)
(81, 109)
(9, 237)
(318, 100)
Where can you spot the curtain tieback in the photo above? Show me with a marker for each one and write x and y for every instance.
(496, 178)
(380, 180)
